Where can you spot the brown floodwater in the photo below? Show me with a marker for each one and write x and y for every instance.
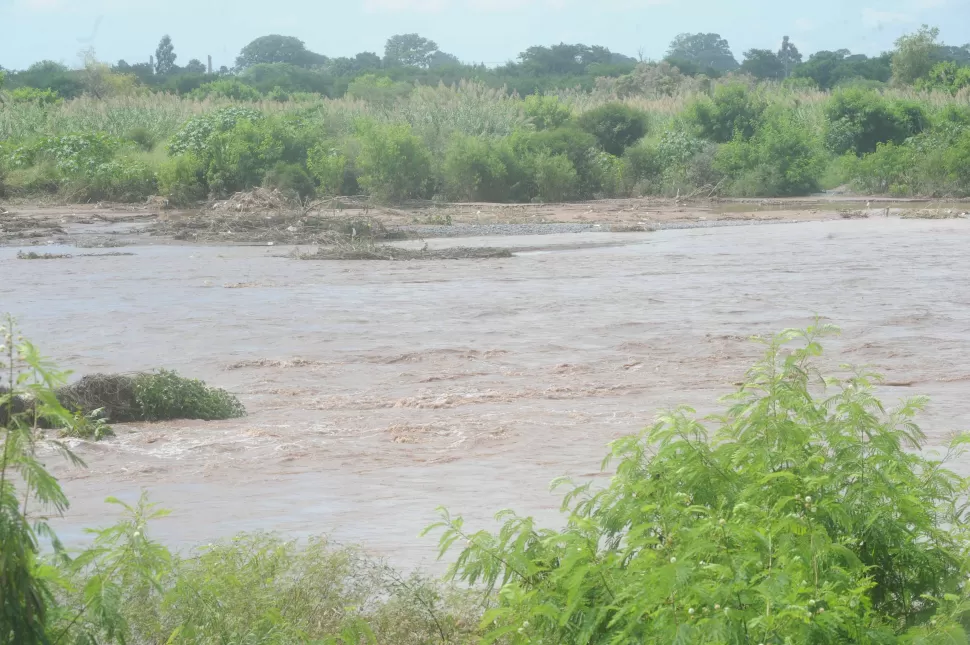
(378, 391)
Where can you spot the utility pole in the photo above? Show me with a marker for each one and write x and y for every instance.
(151, 63)
(210, 65)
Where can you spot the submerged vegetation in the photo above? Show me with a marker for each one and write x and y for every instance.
(568, 122)
(803, 516)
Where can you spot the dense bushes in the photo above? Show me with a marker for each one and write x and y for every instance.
(226, 88)
(166, 395)
(546, 112)
(393, 163)
(616, 126)
(477, 169)
(732, 111)
(82, 167)
(803, 517)
(781, 159)
(859, 120)
(932, 164)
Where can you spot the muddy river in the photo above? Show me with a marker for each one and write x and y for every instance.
(378, 391)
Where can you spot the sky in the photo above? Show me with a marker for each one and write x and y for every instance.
(488, 31)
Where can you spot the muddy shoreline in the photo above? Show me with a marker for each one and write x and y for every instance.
(109, 225)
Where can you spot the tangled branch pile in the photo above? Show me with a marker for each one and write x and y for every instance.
(263, 216)
(364, 249)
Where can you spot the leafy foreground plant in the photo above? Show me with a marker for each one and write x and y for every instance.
(30, 588)
(801, 519)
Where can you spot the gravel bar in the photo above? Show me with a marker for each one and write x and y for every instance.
(477, 230)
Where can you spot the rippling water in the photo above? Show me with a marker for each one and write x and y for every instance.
(378, 391)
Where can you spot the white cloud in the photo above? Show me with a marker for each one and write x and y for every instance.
(436, 6)
(38, 5)
(76, 6)
(876, 18)
(420, 6)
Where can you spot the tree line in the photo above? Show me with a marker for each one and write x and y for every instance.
(285, 65)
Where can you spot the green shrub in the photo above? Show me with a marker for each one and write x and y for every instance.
(182, 180)
(71, 153)
(475, 169)
(328, 167)
(616, 126)
(142, 137)
(34, 96)
(578, 146)
(379, 90)
(291, 179)
(393, 163)
(226, 88)
(92, 426)
(782, 159)
(119, 180)
(555, 177)
(808, 515)
(239, 158)
(642, 164)
(932, 164)
(195, 134)
(734, 110)
(608, 175)
(546, 112)
(948, 76)
(39, 179)
(892, 169)
(859, 120)
(166, 395)
(278, 94)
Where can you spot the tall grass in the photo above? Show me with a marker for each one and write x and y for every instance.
(438, 116)
(470, 108)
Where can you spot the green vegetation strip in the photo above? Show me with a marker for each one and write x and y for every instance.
(698, 124)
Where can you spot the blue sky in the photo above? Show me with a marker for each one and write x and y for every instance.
(489, 31)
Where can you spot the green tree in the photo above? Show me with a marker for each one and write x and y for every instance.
(828, 68)
(789, 55)
(616, 126)
(409, 50)
(763, 64)
(48, 74)
(564, 59)
(914, 55)
(165, 56)
(195, 66)
(288, 77)
(703, 50)
(947, 76)
(442, 59)
(277, 49)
